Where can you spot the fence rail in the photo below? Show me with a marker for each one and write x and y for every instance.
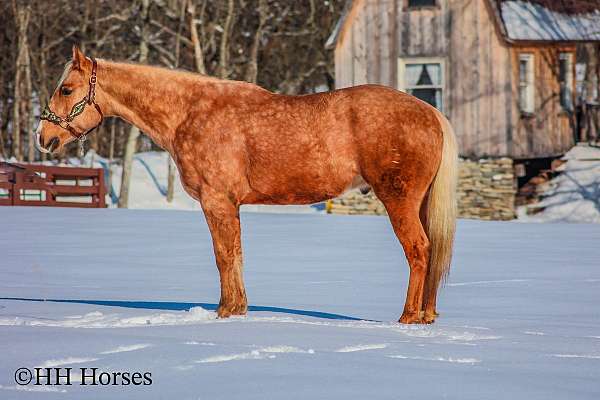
(42, 185)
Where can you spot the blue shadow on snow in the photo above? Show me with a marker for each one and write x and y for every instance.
(176, 306)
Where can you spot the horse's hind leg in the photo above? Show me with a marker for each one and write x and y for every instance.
(429, 291)
(224, 223)
(404, 216)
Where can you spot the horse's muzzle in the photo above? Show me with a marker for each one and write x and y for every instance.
(48, 147)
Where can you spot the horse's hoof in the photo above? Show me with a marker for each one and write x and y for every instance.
(411, 318)
(429, 318)
(224, 311)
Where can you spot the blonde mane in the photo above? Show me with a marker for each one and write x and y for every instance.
(64, 75)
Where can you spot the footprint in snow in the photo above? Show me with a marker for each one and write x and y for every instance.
(259, 354)
(122, 349)
(66, 361)
(361, 347)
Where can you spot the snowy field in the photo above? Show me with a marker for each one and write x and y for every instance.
(520, 314)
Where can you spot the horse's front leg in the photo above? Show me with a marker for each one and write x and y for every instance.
(224, 223)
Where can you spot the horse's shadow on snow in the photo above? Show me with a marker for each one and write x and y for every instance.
(182, 306)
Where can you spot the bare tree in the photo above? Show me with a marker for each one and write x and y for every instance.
(198, 54)
(590, 121)
(21, 97)
(224, 48)
(252, 68)
(170, 163)
(134, 132)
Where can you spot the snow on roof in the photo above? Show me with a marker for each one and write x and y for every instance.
(533, 20)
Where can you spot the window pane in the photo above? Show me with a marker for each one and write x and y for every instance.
(523, 71)
(565, 97)
(526, 79)
(423, 75)
(435, 73)
(562, 70)
(523, 98)
(424, 78)
(431, 96)
(413, 72)
(565, 77)
(421, 3)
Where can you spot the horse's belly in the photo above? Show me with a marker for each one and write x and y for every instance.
(295, 187)
(301, 166)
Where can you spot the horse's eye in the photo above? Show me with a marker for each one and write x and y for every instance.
(65, 91)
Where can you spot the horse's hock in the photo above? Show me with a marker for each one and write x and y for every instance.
(486, 190)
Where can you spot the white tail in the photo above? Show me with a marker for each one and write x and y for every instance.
(441, 209)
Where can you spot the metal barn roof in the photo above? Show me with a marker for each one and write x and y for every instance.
(527, 20)
(545, 20)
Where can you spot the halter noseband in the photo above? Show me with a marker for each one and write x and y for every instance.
(77, 109)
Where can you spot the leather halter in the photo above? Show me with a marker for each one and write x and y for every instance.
(77, 109)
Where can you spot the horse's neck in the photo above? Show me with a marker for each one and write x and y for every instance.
(155, 100)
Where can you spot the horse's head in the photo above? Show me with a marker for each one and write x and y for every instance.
(72, 111)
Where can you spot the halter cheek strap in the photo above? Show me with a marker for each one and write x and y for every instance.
(77, 109)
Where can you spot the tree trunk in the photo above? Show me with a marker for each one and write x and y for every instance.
(28, 106)
(198, 54)
(170, 164)
(134, 132)
(111, 153)
(20, 118)
(224, 48)
(252, 69)
(171, 180)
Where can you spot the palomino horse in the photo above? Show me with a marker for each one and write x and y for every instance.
(235, 143)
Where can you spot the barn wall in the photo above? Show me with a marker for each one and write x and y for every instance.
(480, 85)
(366, 49)
(548, 131)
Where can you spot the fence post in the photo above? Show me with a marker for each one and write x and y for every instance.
(101, 189)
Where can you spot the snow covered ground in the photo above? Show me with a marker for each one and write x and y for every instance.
(519, 316)
(574, 195)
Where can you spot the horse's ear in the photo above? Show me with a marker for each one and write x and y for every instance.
(78, 58)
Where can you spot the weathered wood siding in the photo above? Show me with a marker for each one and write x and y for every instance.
(480, 93)
(480, 81)
(366, 48)
(548, 131)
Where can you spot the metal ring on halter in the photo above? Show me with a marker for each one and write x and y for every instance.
(77, 109)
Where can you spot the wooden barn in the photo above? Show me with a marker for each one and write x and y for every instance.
(503, 71)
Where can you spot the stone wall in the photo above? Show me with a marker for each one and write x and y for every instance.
(486, 190)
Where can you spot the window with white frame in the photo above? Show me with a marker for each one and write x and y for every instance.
(423, 78)
(526, 83)
(565, 78)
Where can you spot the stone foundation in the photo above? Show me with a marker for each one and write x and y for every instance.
(486, 190)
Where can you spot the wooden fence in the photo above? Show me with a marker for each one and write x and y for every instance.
(41, 185)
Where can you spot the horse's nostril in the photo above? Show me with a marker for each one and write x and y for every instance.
(52, 144)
